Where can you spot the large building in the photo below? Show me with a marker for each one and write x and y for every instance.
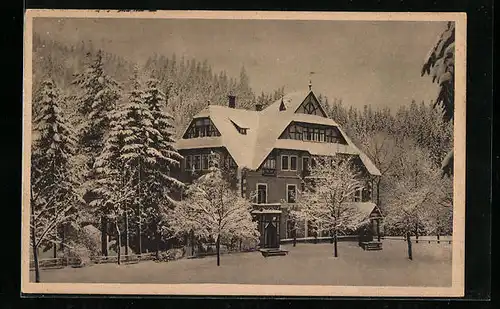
(270, 151)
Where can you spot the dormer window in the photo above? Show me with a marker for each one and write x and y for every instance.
(240, 129)
(313, 133)
(201, 127)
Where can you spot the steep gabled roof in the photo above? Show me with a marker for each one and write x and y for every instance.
(263, 131)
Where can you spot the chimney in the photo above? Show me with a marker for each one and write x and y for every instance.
(232, 101)
(258, 107)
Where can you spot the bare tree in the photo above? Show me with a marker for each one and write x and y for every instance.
(214, 210)
(416, 197)
(326, 198)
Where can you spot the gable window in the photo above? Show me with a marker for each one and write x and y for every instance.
(284, 163)
(291, 193)
(293, 163)
(312, 107)
(201, 127)
(313, 132)
(261, 193)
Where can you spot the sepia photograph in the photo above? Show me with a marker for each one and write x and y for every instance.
(244, 153)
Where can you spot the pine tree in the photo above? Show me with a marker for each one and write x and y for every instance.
(98, 96)
(53, 194)
(162, 159)
(112, 185)
(96, 99)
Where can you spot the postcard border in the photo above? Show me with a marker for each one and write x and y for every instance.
(458, 260)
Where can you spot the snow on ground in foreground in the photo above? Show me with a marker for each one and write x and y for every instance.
(305, 264)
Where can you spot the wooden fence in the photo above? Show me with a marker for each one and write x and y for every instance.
(55, 263)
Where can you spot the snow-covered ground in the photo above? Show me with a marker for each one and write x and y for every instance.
(305, 264)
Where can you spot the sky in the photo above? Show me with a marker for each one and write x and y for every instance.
(374, 63)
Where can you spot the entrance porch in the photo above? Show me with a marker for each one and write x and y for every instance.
(268, 217)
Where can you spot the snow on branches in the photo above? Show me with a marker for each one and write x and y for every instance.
(328, 193)
(421, 199)
(214, 210)
(98, 95)
(53, 195)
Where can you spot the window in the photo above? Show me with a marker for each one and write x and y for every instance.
(358, 195)
(204, 161)
(229, 162)
(305, 164)
(291, 193)
(201, 127)
(261, 193)
(293, 163)
(313, 132)
(270, 163)
(189, 163)
(284, 163)
(197, 162)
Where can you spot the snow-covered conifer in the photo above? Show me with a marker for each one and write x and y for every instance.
(53, 195)
(97, 97)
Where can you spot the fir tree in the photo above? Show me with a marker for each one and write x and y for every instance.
(163, 158)
(96, 100)
(53, 194)
(113, 186)
(98, 96)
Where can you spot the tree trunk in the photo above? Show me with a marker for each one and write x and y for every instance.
(34, 246)
(192, 243)
(157, 240)
(408, 240)
(438, 241)
(335, 247)
(119, 242)
(416, 232)
(104, 236)
(331, 237)
(139, 230)
(217, 245)
(127, 244)
(379, 179)
(294, 236)
(241, 242)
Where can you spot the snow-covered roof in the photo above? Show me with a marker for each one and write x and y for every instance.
(263, 130)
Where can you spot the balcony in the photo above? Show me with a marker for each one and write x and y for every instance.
(268, 208)
(268, 171)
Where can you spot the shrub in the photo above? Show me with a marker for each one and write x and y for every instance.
(170, 255)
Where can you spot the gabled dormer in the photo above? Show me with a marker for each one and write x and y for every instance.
(311, 106)
(201, 127)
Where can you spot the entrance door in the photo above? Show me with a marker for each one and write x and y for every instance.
(271, 235)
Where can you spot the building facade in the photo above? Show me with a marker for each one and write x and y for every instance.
(270, 152)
